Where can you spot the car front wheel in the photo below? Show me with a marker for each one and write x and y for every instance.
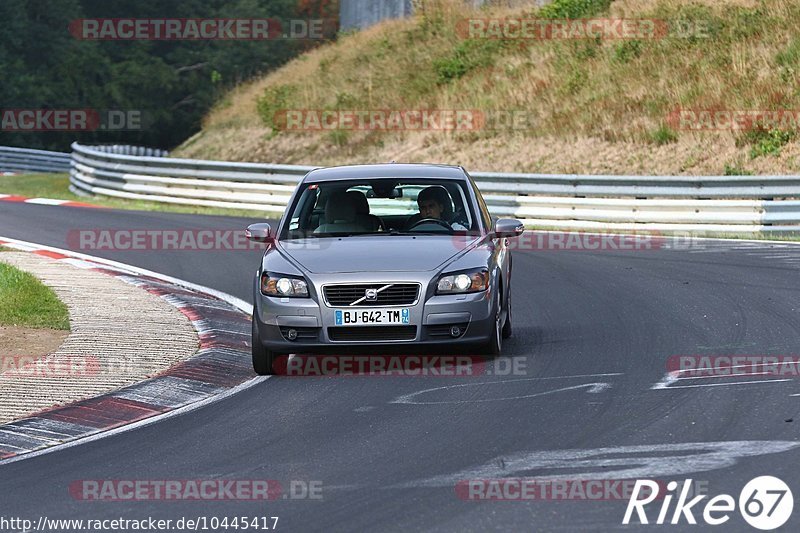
(263, 359)
(495, 343)
(507, 324)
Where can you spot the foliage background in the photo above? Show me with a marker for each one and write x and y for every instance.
(173, 83)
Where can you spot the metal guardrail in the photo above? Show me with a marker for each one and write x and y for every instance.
(184, 181)
(741, 204)
(127, 149)
(27, 160)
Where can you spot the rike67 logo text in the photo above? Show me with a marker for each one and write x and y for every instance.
(765, 503)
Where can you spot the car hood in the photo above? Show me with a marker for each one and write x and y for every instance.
(398, 253)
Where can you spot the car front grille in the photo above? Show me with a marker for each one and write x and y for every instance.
(373, 333)
(393, 294)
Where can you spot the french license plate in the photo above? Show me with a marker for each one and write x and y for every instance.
(370, 317)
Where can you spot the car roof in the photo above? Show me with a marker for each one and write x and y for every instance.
(388, 170)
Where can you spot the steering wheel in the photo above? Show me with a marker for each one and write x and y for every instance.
(431, 221)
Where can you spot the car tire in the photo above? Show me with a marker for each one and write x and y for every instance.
(263, 359)
(494, 345)
(507, 324)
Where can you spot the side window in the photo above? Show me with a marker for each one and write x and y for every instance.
(303, 211)
(485, 215)
(460, 206)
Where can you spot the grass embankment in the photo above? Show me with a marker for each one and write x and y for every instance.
(56, 186)
(27, 302)
(598, 106)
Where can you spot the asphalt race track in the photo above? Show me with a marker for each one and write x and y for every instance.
(593, 332)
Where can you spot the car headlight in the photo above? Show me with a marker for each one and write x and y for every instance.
(463, 282)
(283, 286)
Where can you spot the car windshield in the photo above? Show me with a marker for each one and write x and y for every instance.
(381, 207)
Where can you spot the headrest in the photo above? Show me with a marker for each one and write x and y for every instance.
(341, 207)
(360, 201)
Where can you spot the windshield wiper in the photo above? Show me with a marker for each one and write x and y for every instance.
(377, 233)
(406, 233)
(390, 232)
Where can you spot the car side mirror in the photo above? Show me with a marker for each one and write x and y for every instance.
(261, 232)
(508, 227)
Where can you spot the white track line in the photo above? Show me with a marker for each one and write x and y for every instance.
(240, 304)
(234, 301)
(140, 424)
(45, 201)
(593, 388)
(723, 384)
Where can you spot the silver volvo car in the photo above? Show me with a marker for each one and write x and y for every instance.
(384, 257)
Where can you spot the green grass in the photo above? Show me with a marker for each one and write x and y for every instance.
(711, 57)
(56, 186)
(736, 170)
(270, 105)
(573, 9)
(25, 301)
(663, 135)
(768, 142)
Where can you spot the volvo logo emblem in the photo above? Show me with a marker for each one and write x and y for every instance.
(371, 294)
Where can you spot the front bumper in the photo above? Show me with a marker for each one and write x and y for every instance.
(431, 321)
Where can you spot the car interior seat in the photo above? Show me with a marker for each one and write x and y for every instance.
(340, 215)
(363, 216)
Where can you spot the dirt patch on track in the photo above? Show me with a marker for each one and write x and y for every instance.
(17, 343)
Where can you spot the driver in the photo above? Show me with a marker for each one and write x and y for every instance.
(434, 202)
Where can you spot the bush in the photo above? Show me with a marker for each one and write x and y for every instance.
(736, 170)
(663, 135)
(339, 137)
(766, 142)
(577, 80)
(466, 56)
(788, 61)
(275, 99)
(791, 56)
(749, 23)
(627, 50)
(697, 24)
(573, 9)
